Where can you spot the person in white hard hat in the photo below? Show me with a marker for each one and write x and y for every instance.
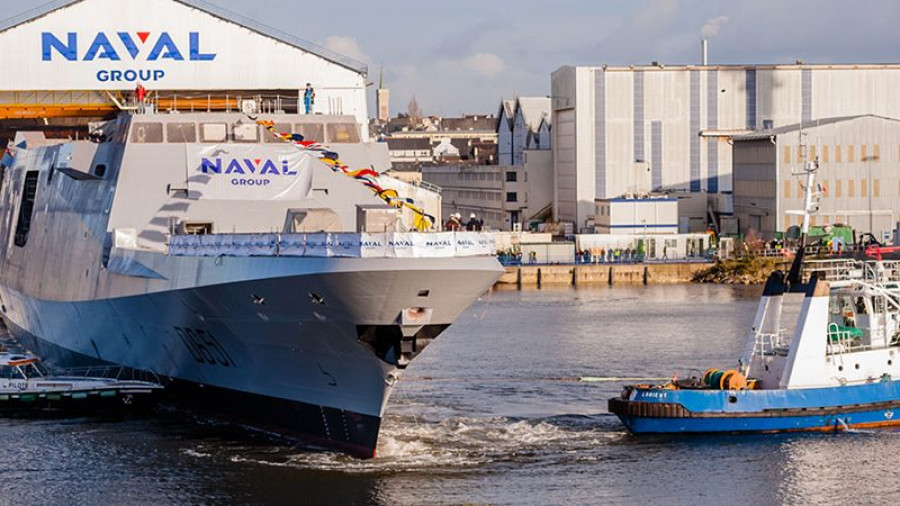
(472, 224)
(453, 223)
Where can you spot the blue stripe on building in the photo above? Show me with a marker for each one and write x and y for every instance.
(806, 87)
(712, 123)
(750, 85)
(600, 133)
(656, 143)
(639, 154)
(694, 131)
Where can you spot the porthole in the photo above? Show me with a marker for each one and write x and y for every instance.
(856, 366)
(840, 368)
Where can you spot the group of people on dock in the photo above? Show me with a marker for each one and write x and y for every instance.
(609, 256)
(455, 223)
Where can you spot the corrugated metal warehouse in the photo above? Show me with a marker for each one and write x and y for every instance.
(858, 178)
(646, 128)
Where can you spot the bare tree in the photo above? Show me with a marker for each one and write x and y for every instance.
(414, 111)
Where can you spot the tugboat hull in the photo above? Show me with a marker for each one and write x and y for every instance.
(661, 411)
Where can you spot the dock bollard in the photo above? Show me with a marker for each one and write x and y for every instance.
(539, 277)
(610, 275)
(646, 274)
(519, 277)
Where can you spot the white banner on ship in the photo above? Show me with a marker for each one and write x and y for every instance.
(471, 244)
(248, 172)
(364, 245)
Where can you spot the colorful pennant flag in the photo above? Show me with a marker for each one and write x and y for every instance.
(423, 221)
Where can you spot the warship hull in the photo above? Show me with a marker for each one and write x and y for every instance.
(304, 347)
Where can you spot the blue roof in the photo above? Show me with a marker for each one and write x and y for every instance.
(213, 10)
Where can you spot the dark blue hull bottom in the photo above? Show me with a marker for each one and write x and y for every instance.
(883, 417)
(346, 431)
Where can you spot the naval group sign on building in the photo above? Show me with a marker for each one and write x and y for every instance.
(92, 46)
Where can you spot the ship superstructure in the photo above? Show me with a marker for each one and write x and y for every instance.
(259, 283)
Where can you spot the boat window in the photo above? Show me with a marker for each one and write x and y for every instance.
(343, 133)
(147, 133)
(181, 133)
(246, 132)
(280, 128)
(100, 170)
(213, 132)
(26, 207)
(314, 132)
(10, 372)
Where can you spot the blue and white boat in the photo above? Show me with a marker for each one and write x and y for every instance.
(832, 365)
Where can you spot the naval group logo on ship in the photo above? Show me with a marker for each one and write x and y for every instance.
(247, 166)
(248, 172)
(138, 47)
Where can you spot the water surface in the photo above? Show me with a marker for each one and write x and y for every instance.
(489, 413)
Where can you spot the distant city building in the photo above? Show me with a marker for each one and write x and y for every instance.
(504, 194)
(471, 139)
(659, 127)
(382, 100)
(858, 181)
(524, 125)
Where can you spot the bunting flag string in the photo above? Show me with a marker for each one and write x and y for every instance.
(423, 221)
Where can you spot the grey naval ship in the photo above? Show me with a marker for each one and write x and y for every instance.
(262, 285)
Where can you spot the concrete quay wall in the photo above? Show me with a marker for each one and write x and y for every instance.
(598, 274)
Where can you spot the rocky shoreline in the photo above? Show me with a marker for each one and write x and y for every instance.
(741, 271)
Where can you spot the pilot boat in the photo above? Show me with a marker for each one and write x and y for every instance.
(26, 384)
(835, 367)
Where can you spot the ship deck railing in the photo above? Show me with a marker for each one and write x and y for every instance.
(847, 269)
(772, 343)
(110, 372)
(351, 245)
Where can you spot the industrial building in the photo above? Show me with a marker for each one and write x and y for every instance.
(75, 59)
(857, 183)
(646, 128)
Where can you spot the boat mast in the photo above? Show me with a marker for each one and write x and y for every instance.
(809, 206)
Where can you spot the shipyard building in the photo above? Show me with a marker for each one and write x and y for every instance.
(69, 61)
(643, 129)
(857, 183)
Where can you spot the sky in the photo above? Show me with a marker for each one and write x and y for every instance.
(464, 56)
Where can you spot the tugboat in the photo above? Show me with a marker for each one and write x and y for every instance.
(27, 385)
(833, 370)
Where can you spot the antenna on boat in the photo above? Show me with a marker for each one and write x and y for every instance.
(810, 206)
